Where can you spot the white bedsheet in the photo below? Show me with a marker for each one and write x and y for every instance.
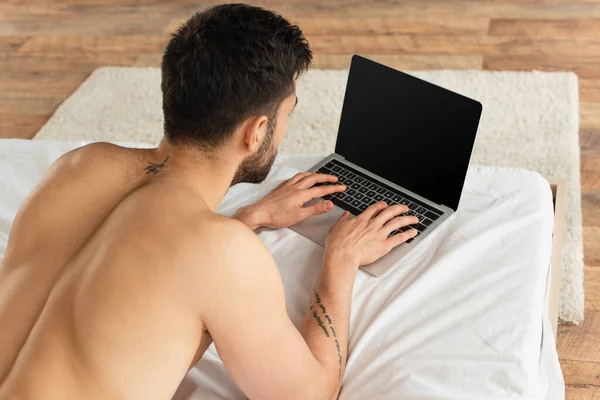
(464, 317)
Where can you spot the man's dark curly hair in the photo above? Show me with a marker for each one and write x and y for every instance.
(224, 65)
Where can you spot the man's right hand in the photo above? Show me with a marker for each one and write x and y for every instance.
(354, 242)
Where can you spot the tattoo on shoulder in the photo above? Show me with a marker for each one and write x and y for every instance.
(155, 168)
(314, 310)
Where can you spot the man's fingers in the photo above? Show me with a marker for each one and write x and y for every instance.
(399, 222)
(345, 216)
(390, 213)
(321, 191)
(318, 208)
(401, 237)
(373, 210)
(296, 178)
(310, 180)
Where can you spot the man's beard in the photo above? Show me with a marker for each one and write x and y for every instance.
(255, 168)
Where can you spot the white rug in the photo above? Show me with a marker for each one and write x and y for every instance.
(530, 120)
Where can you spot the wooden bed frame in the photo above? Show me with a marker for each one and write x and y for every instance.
(559, 194)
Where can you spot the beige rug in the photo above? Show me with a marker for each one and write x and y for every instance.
(530, 120)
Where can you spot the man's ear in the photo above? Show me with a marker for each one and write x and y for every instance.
(255, 132)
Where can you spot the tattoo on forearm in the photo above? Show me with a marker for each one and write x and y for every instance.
(319, 320)
(155, 168)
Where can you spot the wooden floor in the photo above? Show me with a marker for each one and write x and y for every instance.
(47, 49)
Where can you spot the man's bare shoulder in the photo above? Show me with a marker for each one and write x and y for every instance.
(210, 254)
(97, 149)
(220, 238)
(93, 157)
(76, 192)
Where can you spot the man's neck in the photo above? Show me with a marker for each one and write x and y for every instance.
(209, 174)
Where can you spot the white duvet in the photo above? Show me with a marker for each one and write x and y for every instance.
(463, 317)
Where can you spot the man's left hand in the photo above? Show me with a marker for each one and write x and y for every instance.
(283, 207)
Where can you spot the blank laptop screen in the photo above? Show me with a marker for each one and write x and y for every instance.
(410, 132)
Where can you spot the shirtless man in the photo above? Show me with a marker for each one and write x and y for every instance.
(119, 273)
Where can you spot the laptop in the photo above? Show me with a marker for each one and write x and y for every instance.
(402, 140)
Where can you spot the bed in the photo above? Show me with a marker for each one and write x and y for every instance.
(465, 316)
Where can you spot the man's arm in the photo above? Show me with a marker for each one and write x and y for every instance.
(327, 322)
(261, 348)
(246, 316)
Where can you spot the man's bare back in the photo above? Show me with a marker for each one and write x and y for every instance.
(100, 332)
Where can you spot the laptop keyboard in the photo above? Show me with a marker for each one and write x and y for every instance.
(362, 191)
